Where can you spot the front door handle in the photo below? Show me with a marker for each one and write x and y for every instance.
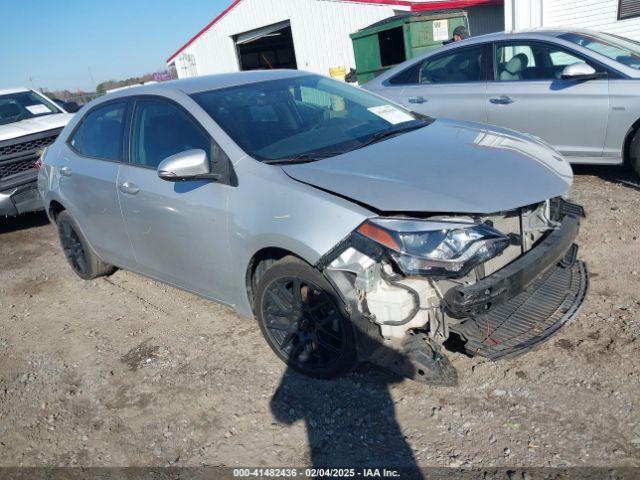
(419, 99)
(66, 171)
(503, 100)
(129, 188)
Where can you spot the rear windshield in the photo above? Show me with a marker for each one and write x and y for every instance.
(307, 115)
(622, 50)
(23, 105)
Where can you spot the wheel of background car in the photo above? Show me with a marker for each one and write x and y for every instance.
(634, 153)
(302, 319)
(79, 255)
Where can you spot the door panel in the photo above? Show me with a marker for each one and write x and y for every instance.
(530, 96)
(570, 116)
(89, 189)
(464, 101)
(179, 230)
(450, 85)
(89, 171)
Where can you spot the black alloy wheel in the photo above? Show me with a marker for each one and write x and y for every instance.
(301, 318)
(73, 249)
(84, 262)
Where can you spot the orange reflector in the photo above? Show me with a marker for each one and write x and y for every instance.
(379, 235)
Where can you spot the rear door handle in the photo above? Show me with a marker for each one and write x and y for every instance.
(66, 171)
(419, 99)
(503, 100)
(129, 188)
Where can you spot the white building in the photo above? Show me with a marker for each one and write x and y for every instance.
(620, 17)
(313, 35)
(310, 35)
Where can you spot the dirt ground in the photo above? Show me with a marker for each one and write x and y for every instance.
(127, 371)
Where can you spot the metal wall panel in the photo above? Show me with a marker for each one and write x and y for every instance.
(599, 15)
(320, 31)
(486, 19)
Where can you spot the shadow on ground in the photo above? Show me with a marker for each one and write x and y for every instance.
(23, 222)
(612, 174)
(350, 422)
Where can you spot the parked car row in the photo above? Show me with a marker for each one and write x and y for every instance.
(349, 226)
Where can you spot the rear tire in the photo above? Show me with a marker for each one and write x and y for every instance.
(634, 153)
(303, 320)
(83, 261)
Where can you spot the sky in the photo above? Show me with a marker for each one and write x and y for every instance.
(58, 44)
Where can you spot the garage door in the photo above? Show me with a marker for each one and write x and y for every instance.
(266, 48)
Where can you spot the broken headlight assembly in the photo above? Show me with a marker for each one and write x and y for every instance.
(435, 248)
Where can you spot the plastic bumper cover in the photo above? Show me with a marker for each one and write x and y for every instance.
(22, 199)
(523, 304)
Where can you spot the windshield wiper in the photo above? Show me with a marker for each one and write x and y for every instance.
(302, 158)
(378, 137)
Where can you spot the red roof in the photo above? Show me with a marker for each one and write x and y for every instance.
(414, 6)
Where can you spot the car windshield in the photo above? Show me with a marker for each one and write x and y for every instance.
(304, 118)
(15, 107)
(622, 50)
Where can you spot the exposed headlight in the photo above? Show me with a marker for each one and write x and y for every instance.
(437, 248)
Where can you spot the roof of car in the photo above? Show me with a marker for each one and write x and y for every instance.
(8, 91)
(212, 82)
(545, 32)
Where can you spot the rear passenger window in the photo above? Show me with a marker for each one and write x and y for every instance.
(407, 77)
(161, 129)
(459, 66)
(100, 132)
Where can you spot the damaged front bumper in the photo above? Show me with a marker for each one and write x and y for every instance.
(495, 313)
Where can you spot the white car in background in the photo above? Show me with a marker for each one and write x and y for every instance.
(578, 90)
(29, 122)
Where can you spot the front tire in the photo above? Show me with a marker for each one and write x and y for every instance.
(303, 320)
(83, 261)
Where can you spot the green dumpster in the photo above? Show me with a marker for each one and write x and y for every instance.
(396, 39)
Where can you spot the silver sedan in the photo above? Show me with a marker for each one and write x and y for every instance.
(577, 90)
(351, 228)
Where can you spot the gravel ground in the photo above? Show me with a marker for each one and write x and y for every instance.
(127, 371)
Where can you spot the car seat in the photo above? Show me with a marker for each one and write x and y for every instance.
(512, 70)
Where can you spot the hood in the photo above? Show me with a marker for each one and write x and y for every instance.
(34, 125)
(445, 167)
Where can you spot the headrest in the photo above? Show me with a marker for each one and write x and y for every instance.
(517, 64)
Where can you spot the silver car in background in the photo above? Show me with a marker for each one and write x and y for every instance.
(349, 227)
(578, 90)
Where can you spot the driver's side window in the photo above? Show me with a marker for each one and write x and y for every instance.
(531, 61)
(161, 129)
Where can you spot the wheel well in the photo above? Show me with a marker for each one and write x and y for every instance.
(54, 209)
(259, 264)
(627, 142)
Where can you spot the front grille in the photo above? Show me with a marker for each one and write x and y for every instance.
(19, 155)
(29, 146)
(529, 318)
(16, 167)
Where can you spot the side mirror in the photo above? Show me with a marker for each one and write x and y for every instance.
(580, 71)
(187, 165)
(71, 107)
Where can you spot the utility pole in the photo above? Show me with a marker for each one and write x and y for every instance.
(93, 82)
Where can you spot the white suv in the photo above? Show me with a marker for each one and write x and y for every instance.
(29, 122)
